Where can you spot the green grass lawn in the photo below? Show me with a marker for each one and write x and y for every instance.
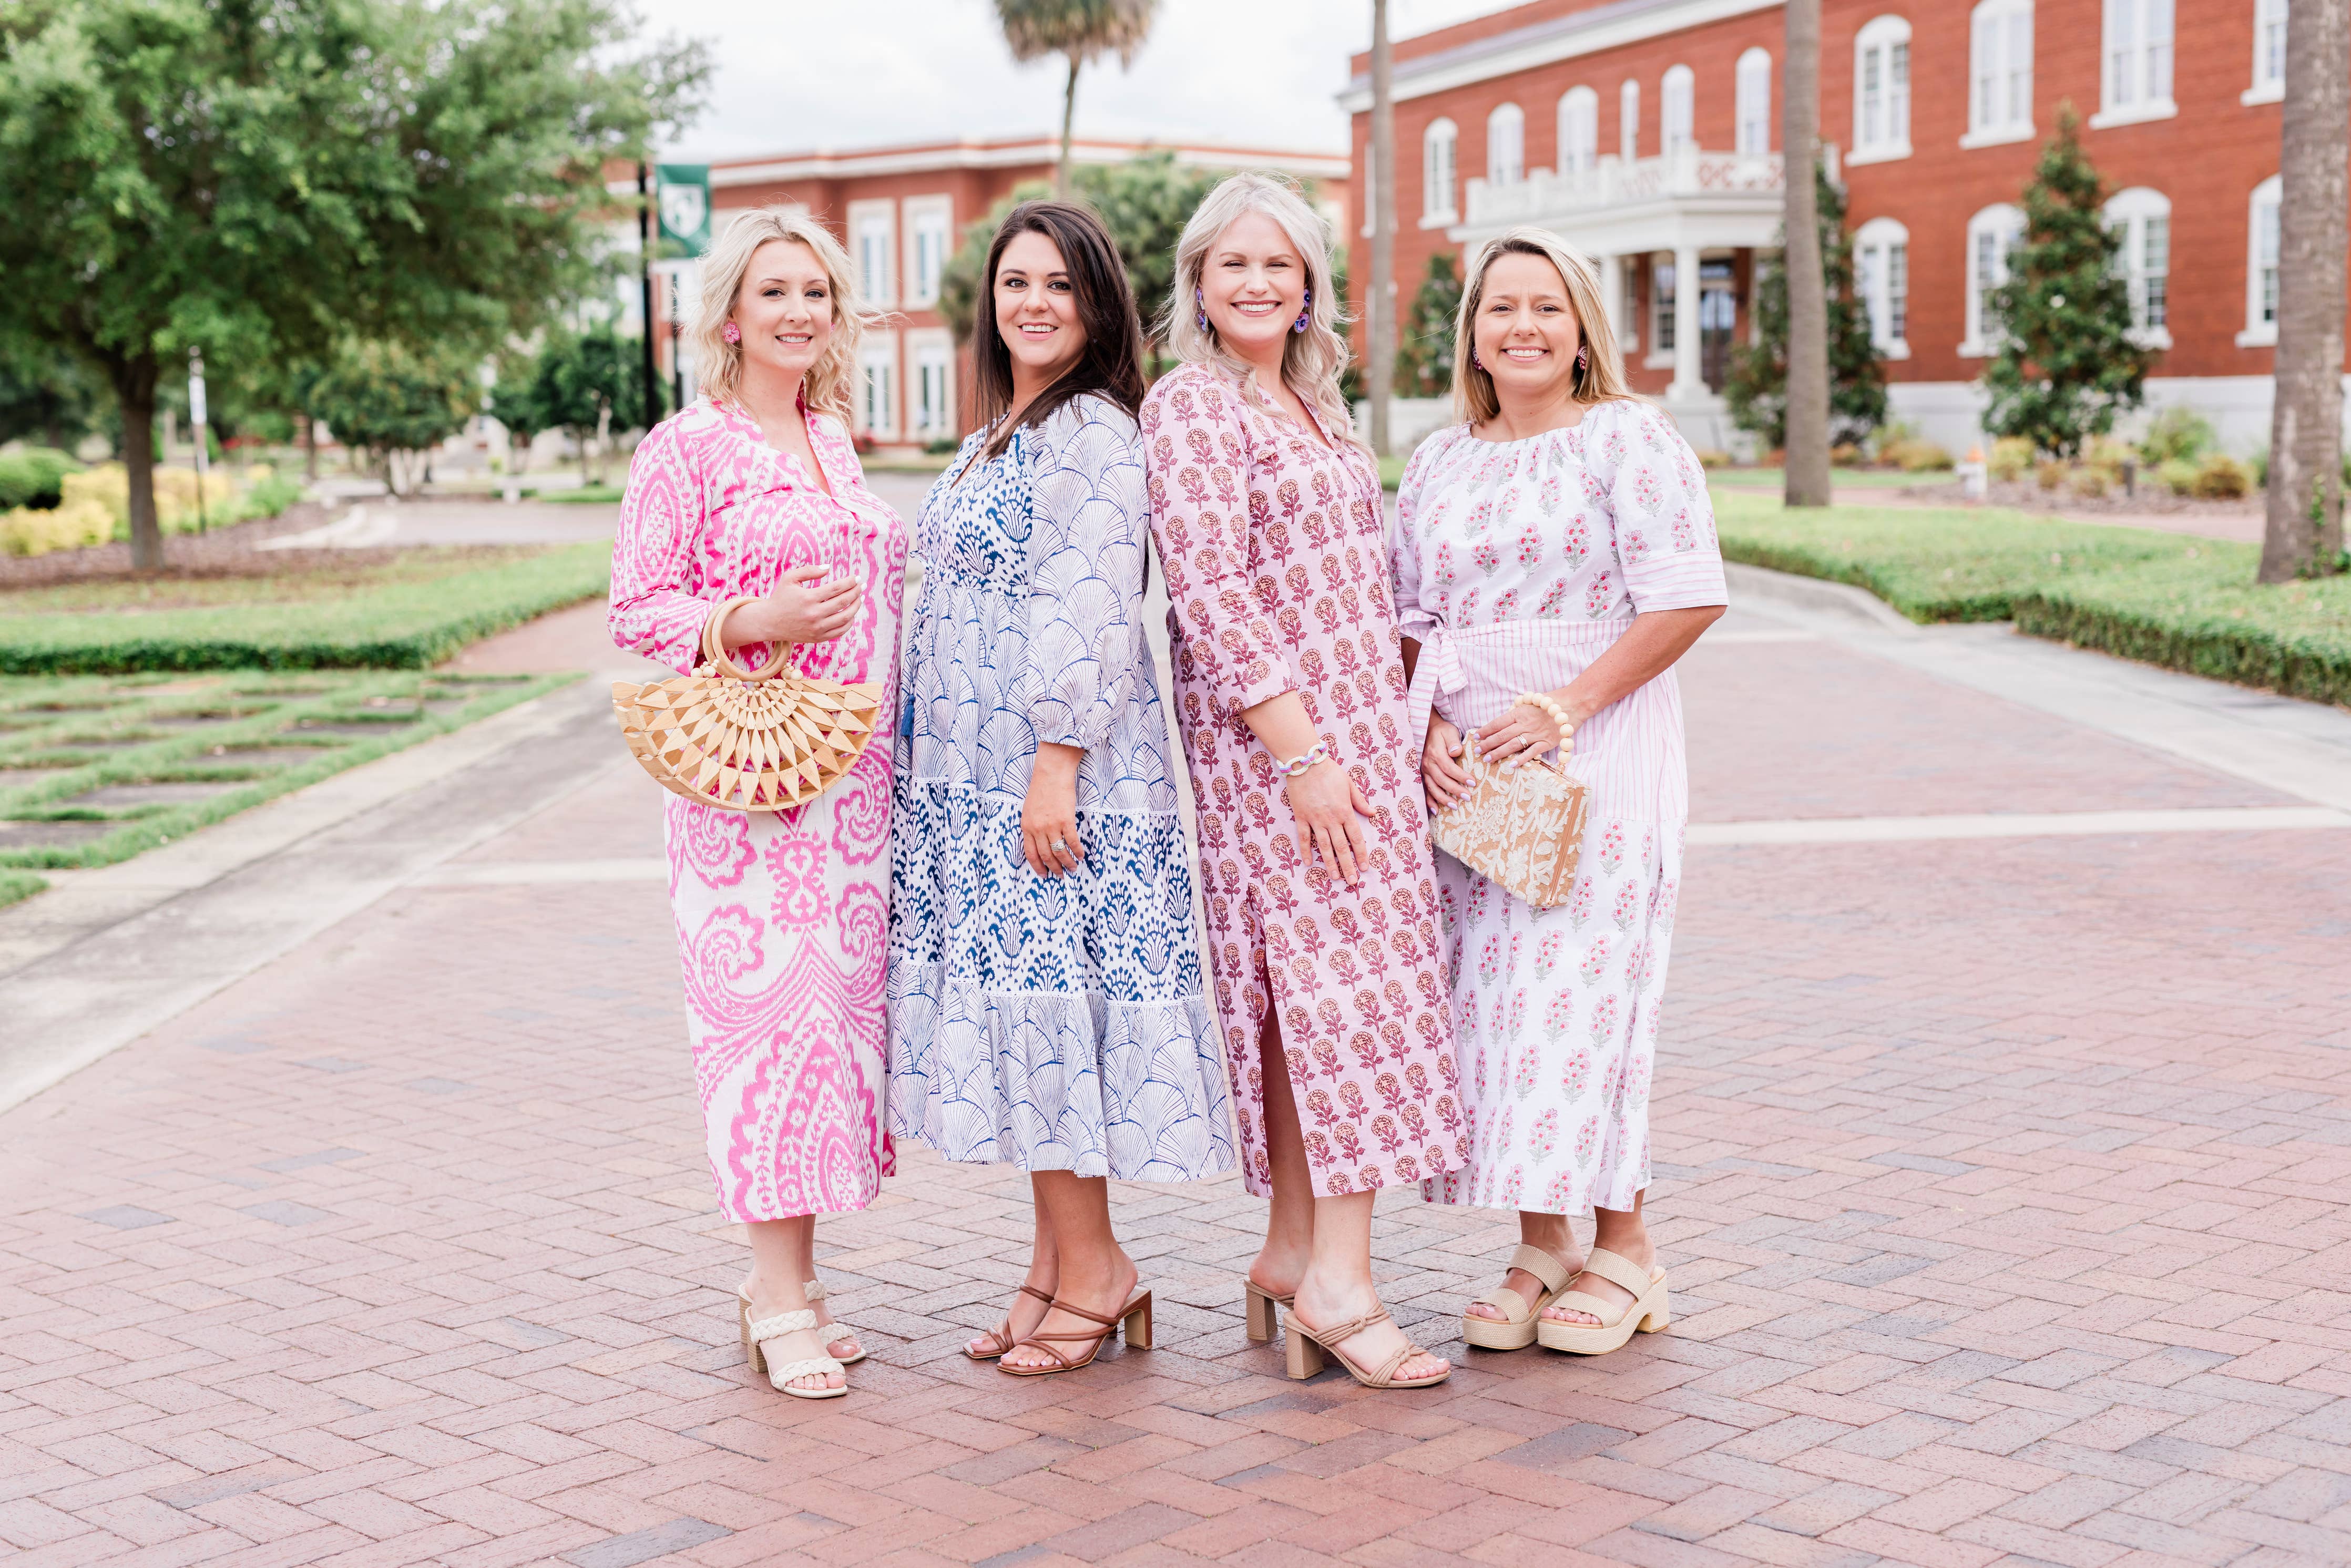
(2167, 599)
(94, 770)
(410, 613)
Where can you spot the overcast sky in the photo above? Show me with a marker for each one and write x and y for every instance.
(856, 73)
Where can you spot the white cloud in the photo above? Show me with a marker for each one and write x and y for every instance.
(838, 75)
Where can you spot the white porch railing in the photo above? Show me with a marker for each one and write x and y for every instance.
(1545, 194)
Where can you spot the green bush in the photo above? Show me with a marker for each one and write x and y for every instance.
(2050, 474)
(2179, 433)
(2177, 475)
(1915, 456)
(33, 478)
(2221, 477)
(2092, 480)
(944, 446)
(2011, 459)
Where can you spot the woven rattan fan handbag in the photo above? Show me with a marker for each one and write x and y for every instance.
(741, 741)
(1522, 826)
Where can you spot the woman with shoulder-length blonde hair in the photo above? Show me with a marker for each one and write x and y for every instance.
(754, 492)
(1554, 555)
(1320, 900)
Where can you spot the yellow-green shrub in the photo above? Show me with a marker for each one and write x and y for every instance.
(25, 531)
(1915, 456)
(2176, 474)
(2221, 477)
(2012, 459)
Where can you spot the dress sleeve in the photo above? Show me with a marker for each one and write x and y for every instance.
(1665, 519)
(1413, 619)
(653, 612)
(1088, 518)
(1197, 456)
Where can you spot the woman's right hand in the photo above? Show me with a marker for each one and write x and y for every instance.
(794, 613)
(1446, 779)
(1327, 805)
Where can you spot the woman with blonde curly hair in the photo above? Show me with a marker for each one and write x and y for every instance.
(1320, 900)
(754, 491)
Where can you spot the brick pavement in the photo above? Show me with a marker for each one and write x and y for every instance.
(2004, 1184)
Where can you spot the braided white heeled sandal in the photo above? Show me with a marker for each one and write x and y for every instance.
(781, 1372)
(815, 1292)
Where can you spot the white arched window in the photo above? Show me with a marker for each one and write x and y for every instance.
(2000, 73)
(1992, 235)
(2269, 53)
(1579, 130)
(1506, 145)
(1676, 110)
(2261, 267)
(2136, 83)
(1754, 132)
(1881, 262)
(1437, 165)
(2141, 218)
(1881, 91)
(1628, 122)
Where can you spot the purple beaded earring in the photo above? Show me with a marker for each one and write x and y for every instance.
(1475, 362)
(1201, 306)
(731, 332)
(1305, 312)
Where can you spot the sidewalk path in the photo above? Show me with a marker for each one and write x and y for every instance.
(2006, 1186)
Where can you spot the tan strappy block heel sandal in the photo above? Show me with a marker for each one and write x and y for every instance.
(781, 1372)
(1259, 1304)
(815, 1292)
(1515, 1329)
(1134, 1318)
(1002, 1332)
(1307, 1346)
(1649, 1311)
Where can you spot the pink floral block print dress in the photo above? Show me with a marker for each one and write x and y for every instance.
(781, 915)
(1517, 564)
(1274, 548)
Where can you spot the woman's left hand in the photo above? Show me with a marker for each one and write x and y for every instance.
(1049, 812)
(1523, 731)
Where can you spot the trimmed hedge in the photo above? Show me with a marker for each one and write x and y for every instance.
(402, 620)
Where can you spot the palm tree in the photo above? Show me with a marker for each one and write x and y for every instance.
(1807, 476)
(2303, 534)
(1080, 31)
(1380, 304)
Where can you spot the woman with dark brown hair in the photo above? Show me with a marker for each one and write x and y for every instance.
(1046, 1004)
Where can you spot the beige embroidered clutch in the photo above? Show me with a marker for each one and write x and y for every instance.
(1522, 826)
(741, 741)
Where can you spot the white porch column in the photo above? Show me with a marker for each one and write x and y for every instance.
(1688, 380)
(1611, 293)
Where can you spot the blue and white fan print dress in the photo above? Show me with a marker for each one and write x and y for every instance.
(1055, 1023)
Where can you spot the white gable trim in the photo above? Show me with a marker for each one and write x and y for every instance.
(1587, 33)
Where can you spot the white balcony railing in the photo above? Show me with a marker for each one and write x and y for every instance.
(1545, 195)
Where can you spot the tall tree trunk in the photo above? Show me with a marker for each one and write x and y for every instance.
(1069, 119)
(1807, 478)
(309, 449)
(1380, 304)
(2304, 535)
(134, 387)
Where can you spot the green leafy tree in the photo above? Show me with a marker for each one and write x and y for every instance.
(1144, 203)
(46, 394)
(514, 401)
(259, 178)
(2067, 365)
(1080, 31)
(1424, 357)
(394, 404)
(1756, 386)
(581, 380)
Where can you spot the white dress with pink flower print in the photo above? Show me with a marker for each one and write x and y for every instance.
(1518, 563)
(782, 916)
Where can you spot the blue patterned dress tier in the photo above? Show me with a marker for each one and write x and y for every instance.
(1051, 1023)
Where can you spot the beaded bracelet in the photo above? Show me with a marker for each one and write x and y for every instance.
(1542, 702)
(1318, 752)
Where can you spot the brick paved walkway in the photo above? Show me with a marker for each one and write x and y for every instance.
(2003, 1184)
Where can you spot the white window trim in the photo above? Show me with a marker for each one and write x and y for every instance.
(1661, 358)
(931, 345)
(2006, 138)
(1506, 119)
(914, 211)
(2140, 202)
(1448, 215)
(1569, 101)
(1873, 234)
(1878, 32)
(2137, 114)
(862, 216)
(2258, 333)
(1686, 79)
(1978, 345)
(2007, 133)
(2253, 95)
(1628, 121)
(2109, 114)
(2262, 91)
(880, 351)
(1744, 73)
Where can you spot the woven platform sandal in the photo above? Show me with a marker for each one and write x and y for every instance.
(1308, 1345)
(1134, 1318)
(1259, 1304)
(1001, 1334)
(815, 1292)
(1649, 1311)
(781, 1372)
(1515, 1329)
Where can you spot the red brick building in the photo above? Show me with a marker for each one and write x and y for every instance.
(1647, 134)
(899, 211)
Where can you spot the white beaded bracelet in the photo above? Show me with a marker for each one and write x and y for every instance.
(1541, 702)
(1318, 752)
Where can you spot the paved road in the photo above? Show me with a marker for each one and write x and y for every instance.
(2003, 1179)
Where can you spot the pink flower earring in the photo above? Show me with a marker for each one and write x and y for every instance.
(1584, 358)
(1305, 312)
(731, 332)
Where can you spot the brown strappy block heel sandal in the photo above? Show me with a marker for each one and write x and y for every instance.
(1002, 1332)
(1134, 1318)
(1307, 1346)
(1259, 1304)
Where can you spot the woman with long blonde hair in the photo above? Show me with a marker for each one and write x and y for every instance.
(755, 492)
(1554, 555)
(1314, 860)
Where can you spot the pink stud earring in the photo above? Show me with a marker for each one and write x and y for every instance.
(1584, 358)
(1305, 312)
(731, 332)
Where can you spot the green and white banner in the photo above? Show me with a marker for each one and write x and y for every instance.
(684, 208)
